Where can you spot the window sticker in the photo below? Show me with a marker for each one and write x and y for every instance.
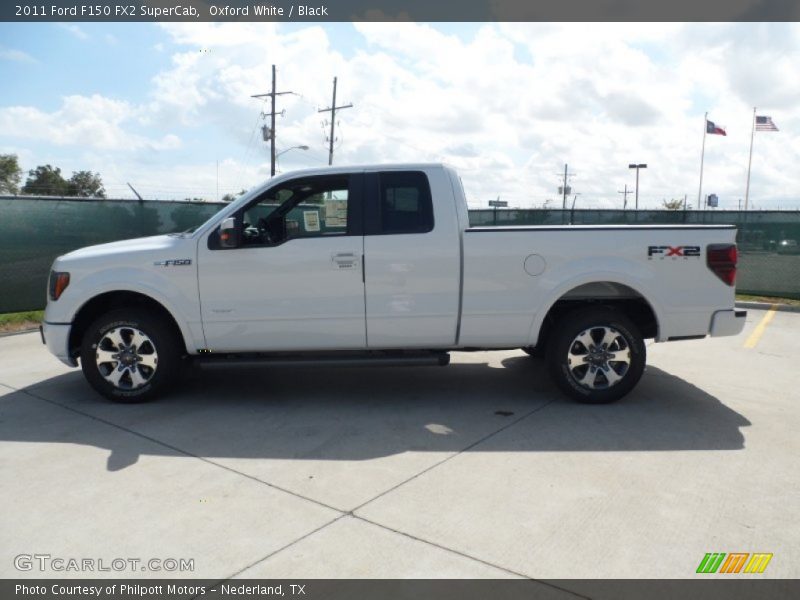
(311, 220)
(335, 213)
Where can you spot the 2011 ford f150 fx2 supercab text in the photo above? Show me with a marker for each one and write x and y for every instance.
(379, 265)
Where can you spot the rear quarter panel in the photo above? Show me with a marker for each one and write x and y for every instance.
(504, 305)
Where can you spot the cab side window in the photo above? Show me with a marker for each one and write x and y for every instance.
(300, 208)
(405, 203)
(320, 214)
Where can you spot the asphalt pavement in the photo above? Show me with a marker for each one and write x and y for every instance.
(480, 470)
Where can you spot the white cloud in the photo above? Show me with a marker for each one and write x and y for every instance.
(84, 121)
(74, 30)
(16, 56)
(156, 180)
(523, 98)
(508, 106)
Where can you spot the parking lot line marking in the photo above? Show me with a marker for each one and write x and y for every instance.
(759, 330)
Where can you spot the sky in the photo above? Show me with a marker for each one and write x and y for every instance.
(168, 107)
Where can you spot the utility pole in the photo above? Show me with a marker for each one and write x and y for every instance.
(564, 190)
(333, 108)
(637, 167)
(272, 114)
(626, 191)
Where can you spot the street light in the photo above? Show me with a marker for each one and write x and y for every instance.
(302, 147)
(637, 167)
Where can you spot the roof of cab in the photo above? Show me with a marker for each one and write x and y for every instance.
(367, 167)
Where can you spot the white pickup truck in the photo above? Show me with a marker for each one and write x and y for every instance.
(378, 264)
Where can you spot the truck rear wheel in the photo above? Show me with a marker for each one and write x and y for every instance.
(130, 355)
(596, 355)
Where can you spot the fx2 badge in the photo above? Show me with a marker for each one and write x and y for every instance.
(673, 252)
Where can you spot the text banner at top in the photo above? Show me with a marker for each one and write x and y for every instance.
(401, 10)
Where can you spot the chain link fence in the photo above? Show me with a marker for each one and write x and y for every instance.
(33, 231)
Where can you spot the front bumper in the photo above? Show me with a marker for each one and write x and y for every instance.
(727, 322)
(56, 337)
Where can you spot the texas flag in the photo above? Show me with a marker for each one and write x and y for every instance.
(714, 129)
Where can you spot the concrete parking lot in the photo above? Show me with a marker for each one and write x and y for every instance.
(481, 469)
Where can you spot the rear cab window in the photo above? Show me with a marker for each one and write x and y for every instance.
(401, 203)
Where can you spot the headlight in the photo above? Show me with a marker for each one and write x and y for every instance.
(57, 284)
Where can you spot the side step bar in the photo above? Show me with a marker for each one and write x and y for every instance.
(329, 359)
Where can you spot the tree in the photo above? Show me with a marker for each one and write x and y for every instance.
(10, 174)
(86, 185)
(45, 181)
(48, 181)
(232, 197)
(674, 204)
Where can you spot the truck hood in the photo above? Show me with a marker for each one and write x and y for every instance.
(126, 250)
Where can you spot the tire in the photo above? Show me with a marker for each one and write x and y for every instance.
(145, 367)
(581, 353)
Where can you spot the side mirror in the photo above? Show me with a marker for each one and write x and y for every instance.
(229, 234)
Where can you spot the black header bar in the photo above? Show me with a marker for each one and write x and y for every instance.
(400, 10)
(735, 587)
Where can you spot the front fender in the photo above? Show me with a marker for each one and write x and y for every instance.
(176, 293)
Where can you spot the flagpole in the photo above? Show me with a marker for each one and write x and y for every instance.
(750, 160)
(702, 158)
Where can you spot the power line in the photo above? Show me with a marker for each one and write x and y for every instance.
(332, 109)
(245, 162)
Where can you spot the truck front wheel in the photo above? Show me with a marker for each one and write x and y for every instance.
(596, 355)
(129, 355)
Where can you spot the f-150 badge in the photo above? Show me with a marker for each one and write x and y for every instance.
(173, 262)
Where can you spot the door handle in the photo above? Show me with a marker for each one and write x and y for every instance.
(345, 260)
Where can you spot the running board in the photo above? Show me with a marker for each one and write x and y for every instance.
(330, 359)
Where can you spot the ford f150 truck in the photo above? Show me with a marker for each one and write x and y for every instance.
(379, 264)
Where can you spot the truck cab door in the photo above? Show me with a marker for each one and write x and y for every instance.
(412, 259)
(294, 280)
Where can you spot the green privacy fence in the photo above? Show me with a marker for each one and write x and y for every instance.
(769, 241)
(33, 231)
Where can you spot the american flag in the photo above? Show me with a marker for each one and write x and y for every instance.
(765, 124)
